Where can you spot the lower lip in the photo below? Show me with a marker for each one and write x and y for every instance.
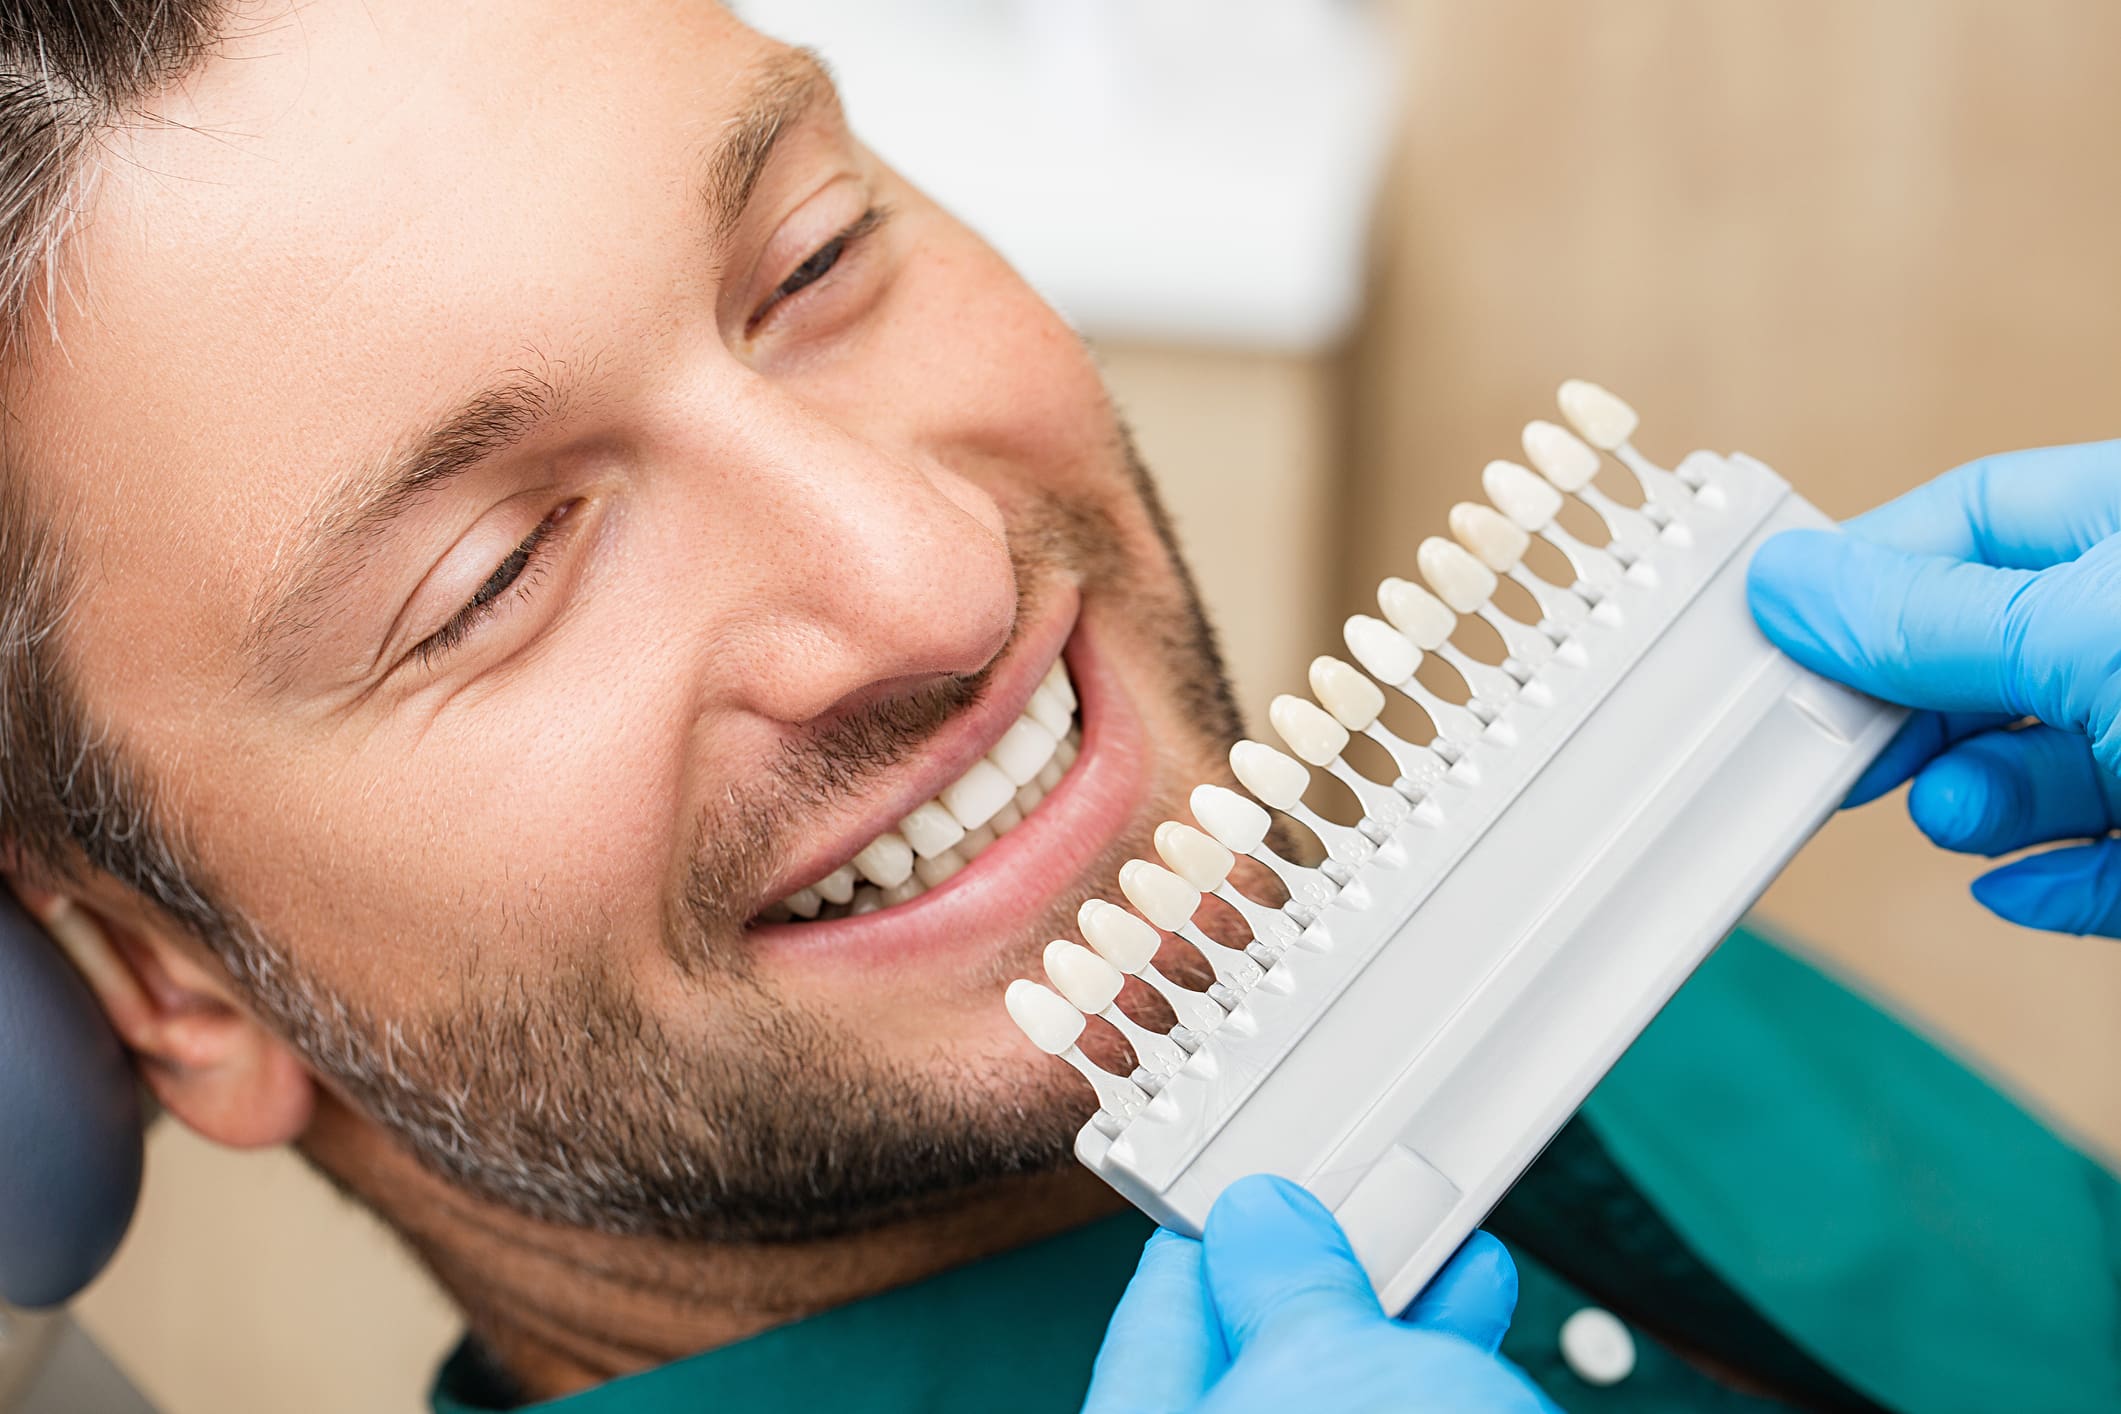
(1021, 873)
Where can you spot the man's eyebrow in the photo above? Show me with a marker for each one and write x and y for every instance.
(783, 90)
(328, 552)
(351, 515)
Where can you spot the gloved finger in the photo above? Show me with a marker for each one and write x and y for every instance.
(1473, 1297)
(2021, 510)
(2076, 889)
(1919, 739)
(2000, 791)
(1274, 1255)
(1164, 1345)
(1911, 629)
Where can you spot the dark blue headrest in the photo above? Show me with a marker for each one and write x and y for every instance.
(69, 1122)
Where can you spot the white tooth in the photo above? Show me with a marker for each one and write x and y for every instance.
(1353, 699)
(838, 886)
(1237, 824)
(1521, 496)
(1050, 775)
(1382, 649)
(1090, 983)
(1006, 819)
(932, 872)
(1070, 747)
(1310, 732)
(931, 830)
(1063, 686)
(1049, 1021)
(1458, 579)
(1028, 797)
(804, 903)
(903, 893)
(1162, 897)
(1118, 936)
(1497, 541)
(885, 860)
(1023, 750)
(1277, 780)
(866, 900)
(1417, 613)
(1561, 456)
(975, 796)
(1194, 857)
(1603, 419)
(975, 842)
(1047, 708)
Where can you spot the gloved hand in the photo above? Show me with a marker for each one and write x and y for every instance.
(1270, 1313)
(1989, 596)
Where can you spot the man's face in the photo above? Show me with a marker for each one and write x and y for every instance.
(543, 494)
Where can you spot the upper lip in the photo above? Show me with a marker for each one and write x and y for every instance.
(964, 739)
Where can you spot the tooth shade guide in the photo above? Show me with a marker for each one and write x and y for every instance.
(1581, 851)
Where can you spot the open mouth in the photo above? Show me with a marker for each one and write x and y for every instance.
(940, 837)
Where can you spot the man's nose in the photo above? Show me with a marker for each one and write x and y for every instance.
(873, 570)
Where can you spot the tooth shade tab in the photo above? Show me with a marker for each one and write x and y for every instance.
(1561, 456)
(1383, 650)
(1277, 780)
(931, 830)
(1310, 732)
(1458, 579)
(1518, 494)
(1162, 897)
(1425, 619)
(1495, 540)
(1603, 419)
(1088, 982)
(1235, 823)
(1118, 936)
(1193, 856)
(1043, 1015)
(1353, 699)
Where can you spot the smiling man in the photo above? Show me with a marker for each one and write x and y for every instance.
(644, 622)
(565, 632)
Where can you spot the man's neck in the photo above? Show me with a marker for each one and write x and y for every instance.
(562, 1309)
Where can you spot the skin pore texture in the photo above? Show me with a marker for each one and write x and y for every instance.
(538, 492)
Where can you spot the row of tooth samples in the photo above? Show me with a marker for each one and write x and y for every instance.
(945, 834)
(1460, 576)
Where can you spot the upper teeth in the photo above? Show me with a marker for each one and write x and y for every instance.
(945, 834)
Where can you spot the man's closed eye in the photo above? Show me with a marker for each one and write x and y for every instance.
(518, 571)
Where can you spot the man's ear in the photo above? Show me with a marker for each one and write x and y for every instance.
(207, 1059)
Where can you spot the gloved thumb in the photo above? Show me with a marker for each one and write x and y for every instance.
(1473, 1297)
(1919, 630)
(1275, 1258)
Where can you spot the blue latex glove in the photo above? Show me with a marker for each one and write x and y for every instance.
(1990, 596)
(1270, 1314)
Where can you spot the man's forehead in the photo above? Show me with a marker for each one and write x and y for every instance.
(330, 228)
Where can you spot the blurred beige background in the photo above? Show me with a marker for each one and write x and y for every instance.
(1863, 241)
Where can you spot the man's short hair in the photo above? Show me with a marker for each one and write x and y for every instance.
(71, 72)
